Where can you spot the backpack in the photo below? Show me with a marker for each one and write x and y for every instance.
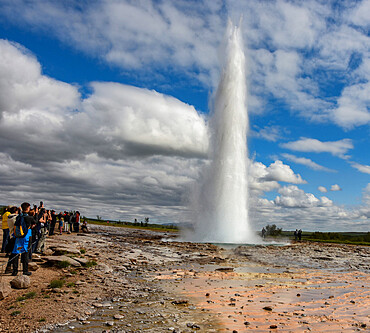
(20, 228)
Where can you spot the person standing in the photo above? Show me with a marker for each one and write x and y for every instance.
(5, 229)
(42, 231)
(300, 234)
(296, 234)
(52, 223)
(263, 233)
(22, 244)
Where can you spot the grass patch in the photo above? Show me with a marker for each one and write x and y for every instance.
(29, 295)
(15, 313)
(46, 296)
(82, 251)
(63, 264)
(41, 320)
(91, 263)
(57, 284)
(72, 271)
(70, 284)
(75, 291)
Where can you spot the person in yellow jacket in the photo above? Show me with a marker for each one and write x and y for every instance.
(5, 230)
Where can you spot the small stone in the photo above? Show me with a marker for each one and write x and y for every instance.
(98, 305)
(273, 327)
(246, 323)
(207, 295)
(21, 282)
(298, 295)
(32, 266)
(109, 323)
(180, 302)
(268, 308)
(118, 317)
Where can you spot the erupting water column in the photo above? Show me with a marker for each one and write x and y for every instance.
(221, 199)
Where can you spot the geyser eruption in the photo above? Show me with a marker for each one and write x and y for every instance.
(221, 198)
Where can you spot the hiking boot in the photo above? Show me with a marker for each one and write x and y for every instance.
(14, 273)
(8, 270)
(27, 273)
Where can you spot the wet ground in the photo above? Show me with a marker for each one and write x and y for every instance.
(185, 287)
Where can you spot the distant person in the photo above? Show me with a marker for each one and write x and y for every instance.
(84, 227)
(296, 234)
(60, 222)
(5, 229)
(300, 234)
(52, 223)
(66, 218)
(76, 226)
(22, 244)
(10, 246)
(263, 233)
(42, 229)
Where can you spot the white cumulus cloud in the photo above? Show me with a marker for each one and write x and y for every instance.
(337, 148)
(335, 188)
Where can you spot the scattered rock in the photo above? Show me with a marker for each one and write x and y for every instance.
(64, 249)
(268, 308)
(273, 327)
(193, 326)
(5, 290)
(180, 302)
(55, 259)
(82, 261)
(118, 317)
(32, 266)
(21, 282)
(224, 269)
(104, 268)
(247, 323)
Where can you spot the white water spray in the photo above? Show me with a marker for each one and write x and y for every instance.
(221, 198)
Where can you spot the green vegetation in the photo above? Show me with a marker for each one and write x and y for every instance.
(41, 320)
(57, 284)
(29, 295)
(91, 263)
(339, 237)
(82, 251)
(72, 271)
(15, 313)
(63, 264)
(273, 231)
(137, 225)
(70, 284)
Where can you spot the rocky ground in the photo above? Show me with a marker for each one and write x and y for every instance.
(128, 280)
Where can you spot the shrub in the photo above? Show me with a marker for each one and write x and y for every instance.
(91, 263)
(83, 251)
(70, 284)
(63, 264)
(72, 271)
(57, 284)
(15, 313)
(42, 320)
(31, 294)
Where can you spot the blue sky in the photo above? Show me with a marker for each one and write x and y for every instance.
(112, 101)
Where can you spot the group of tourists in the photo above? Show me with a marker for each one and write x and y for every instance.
(25, 229)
